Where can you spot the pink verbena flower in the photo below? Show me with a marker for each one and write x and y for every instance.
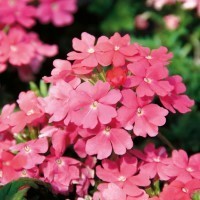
(178, 190)
(140, 115)
(158, 56)
(31, 151)
(158, 4)
(148, 79)
(183, 168)
(7, 110)
(89, 54)
(104, 138)
(59, 12)
(122, 172)
(191, 4)
(31, 111)
(175, 99)
(96, 104)
(154, 161)
(172, 21)
(61, 172)
(17, 11)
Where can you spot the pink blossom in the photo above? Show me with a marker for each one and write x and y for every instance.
(103, 139)
(141, 21)
(7, 110)
(172, 22)
(17, 11)
(59, 12)
(60, 172)
(158, 4)
(31, 111)
(154, 161)
(122, 172)
(96, 104)
(149, 80)
(31, 151)
(141, 116)
(183, 168)
(158, 56)
(175, 99)
(190, 4)
(88, 54)
(178, 190)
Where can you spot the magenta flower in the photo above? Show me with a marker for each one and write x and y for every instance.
(17, 11)
(148, 79)
(59, 12)
(96, 104)
(122, 172)
(175, 99)
(139, 115)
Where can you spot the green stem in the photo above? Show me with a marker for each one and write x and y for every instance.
(165, 141)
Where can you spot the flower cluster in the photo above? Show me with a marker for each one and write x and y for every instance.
(97, 104)
(186, 4)
(23, 49)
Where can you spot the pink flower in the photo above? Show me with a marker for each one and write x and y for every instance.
(154, 161)
(87, 53)
(172, 22)
(190, 4)
(96, 104)
(175, 99)
(178, 190)
(183, 168)
(141, 21)
(149, 80)
(31, 151)
(15, 11)
(158, 56)
(122, 172)
(158, 4)
(146, 117)
(59, 12)
(7, 110)
(31, 111)
(103, 139)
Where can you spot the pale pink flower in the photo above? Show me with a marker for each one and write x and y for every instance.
(178, 190)
(7, 110)
(59, 12)
(154, 161)
(141, 21)
(141, 116)
(158, 4)
(148, 80)
(88, 54)
(104, 138)
(175, 100)
(183, 168)
(30, 151)
(96, 104)
(159, 56)
(124, 173)
(31, 111)
(172, 22)
(191, 4)
(17, 11)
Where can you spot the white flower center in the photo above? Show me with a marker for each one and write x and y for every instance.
(90, 50)
(24, 173)
(139, 112)
(107, 131)
(27, 148)
(13, 48)
(122, 178)
(185, 190)
(189, 169)
(116, 48)
(156, 159)
(147, 80)
(59, 161)
(148, 57)
(30, 112)
(94, 105)
(54, 6)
